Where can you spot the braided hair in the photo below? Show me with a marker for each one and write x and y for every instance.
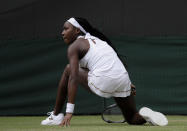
(95, 32)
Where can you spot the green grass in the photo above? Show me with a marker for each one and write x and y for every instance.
(87, 123)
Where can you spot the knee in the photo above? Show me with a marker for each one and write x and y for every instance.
(136, 123)
(67, 69)
(130, 122)
(136, 119)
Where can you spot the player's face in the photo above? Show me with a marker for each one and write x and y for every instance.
(69, 33)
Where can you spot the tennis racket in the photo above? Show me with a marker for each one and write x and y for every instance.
(112, 114)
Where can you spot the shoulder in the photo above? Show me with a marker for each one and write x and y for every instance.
(78, 45)
(80, 42)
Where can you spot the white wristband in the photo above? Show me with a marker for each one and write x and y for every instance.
(70, 108)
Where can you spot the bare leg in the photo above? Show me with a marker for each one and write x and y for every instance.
(128, 108)
(126, 104)
(83, 78)
(63, 84)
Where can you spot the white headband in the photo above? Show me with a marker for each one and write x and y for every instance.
(76, 24)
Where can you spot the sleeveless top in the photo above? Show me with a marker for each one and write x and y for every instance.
(101, 59)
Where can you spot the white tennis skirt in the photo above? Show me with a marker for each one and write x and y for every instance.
(104, 86)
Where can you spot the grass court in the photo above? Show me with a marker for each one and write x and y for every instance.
(87, 123)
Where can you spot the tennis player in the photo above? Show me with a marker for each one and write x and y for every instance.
(95, 64)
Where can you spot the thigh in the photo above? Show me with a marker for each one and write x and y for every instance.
(83, 78)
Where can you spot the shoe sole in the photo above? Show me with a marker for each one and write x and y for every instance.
(155, 118)
(50, 124)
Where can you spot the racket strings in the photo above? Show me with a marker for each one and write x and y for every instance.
(113, 114)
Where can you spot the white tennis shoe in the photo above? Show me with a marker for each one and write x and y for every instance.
(53, 119)
(153, 117)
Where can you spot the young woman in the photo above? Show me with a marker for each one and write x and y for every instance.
(94, 63)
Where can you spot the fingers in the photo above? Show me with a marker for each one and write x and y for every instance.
(133, 86)
(66, 120)
(134, 92)
(133, 89)
(65, 123)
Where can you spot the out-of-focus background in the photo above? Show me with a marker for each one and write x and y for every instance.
(150, 34)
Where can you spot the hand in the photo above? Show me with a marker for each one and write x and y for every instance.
(66, 120)
(133, 90)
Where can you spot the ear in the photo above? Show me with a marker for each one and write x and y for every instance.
(77, 31)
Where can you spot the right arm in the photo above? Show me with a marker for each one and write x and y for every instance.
(73, 57)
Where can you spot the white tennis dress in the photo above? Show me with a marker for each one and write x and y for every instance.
(107, 76)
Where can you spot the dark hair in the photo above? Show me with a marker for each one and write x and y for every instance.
(95, 32)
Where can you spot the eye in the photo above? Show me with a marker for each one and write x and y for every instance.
(65, 28)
